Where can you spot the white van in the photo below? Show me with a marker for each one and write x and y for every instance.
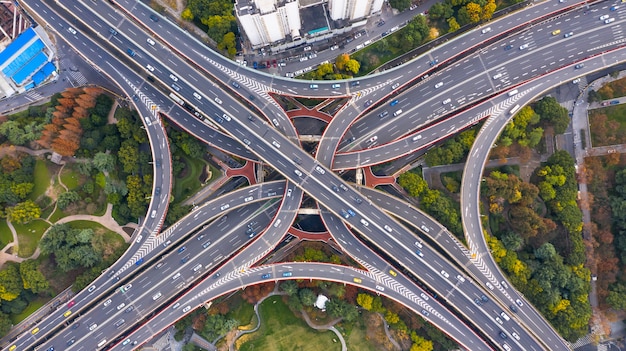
(505, 316)
(446, 101)
(153, 214)
(417, 137)
(397, 113)
(102, 343)
(513, 92)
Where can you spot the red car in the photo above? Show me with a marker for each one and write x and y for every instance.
(275, 63)
(71, 303)
(268, 64)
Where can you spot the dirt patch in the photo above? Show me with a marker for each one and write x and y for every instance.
(58, 280)
(376, 332)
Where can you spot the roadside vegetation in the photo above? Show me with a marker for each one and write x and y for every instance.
(608, 125)
(356, 314)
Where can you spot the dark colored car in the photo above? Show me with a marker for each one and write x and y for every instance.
(255, 65)
(154, 18)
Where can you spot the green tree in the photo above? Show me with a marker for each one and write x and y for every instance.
(488, 10)
(553, 113)
(365, 301)
(340, 61)
(307, 296)
(413, 183)
(11, 284)
(128, 156)
(290, 287)
(5, 323)
(420, 343)
(67, 198)
(391, 317)
(617, 296)
(32, 278)
(104, 162)
(400, 5)
(440, 10)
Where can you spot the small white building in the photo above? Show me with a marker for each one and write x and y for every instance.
(321, 302)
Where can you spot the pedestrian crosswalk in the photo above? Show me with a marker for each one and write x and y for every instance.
(34, 96)
(78, 79)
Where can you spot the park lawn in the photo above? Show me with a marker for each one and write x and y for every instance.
(70, 178)
(242, 311)
(28, 236)
(189, 184)
(32, 307)
(5, 233)
(42, 179)
(58, 214)
(282, 330)
(357, 338)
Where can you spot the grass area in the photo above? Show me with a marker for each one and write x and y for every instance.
(42, 179)
(282, 330)
(32, 307)
(310, 103)
(189, 183)
(58, 214)
(604, 130)
(357, 338)
(70, 178)
(5, 233)
(28, 236)
(241, 311)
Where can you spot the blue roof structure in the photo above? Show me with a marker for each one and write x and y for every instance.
(44, 73)
(24, 58)
(31, 67)
(16, 45)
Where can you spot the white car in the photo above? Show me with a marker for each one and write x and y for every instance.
(445, 274)
(438, 85)
(524, 46)
(186, 309)
(150, 41)
(150, 68)
(173, 77)
(120, 306)
(604, 17)
(107, 302)
(424, 296)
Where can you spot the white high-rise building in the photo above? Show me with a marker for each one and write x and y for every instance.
(353, 9)
(267, 21)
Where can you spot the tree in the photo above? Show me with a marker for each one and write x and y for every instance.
(32, 278)
(391, 317)
(473, 11)
(512, 241)
(341, 60)
(11, 284)
(365, 301)
(413, 183)
(453, 25)
(352, 66)
(104, 162)
(5, 323)
(187, 15)
(440, 10)
(420, 343)
(400, 5)
(488, 10)
(617, 296)
(552, 112)
(23, 212)
(290, 287)
(307, 296)
(67, 198)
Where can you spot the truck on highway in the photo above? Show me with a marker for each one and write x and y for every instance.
(177, 99)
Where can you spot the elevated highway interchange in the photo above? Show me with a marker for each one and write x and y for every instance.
(315, 182)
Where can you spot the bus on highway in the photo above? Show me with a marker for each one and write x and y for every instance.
(177, 99)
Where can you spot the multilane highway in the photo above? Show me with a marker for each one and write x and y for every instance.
(287, 164)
